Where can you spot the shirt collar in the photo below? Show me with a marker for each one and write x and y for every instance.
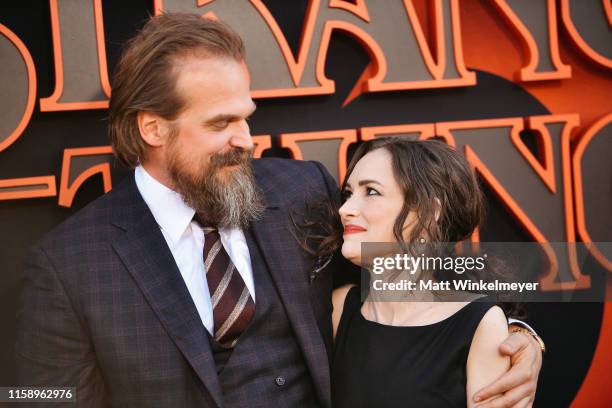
(168, 208)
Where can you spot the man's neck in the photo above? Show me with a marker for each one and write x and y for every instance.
(159, 174)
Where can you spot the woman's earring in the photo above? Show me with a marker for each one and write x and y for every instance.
(422, 240)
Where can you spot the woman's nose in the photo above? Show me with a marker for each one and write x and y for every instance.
(348, 209)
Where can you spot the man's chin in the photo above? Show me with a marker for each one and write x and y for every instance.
(224, 173)
(231, 167)
(231, 170)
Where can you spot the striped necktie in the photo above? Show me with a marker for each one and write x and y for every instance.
(233, 306)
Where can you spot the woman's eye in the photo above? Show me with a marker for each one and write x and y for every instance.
(346, 194)
(370, 191)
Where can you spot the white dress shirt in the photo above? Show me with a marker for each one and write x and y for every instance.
(186, 242)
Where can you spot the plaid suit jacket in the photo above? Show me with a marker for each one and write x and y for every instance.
(104, 307)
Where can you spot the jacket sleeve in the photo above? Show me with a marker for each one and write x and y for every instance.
(343, 271)
(52, 347)
(330, 184)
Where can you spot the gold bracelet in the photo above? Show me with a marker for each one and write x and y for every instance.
(535, 336)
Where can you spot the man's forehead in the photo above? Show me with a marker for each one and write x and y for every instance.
(205, 63)
(211, 76)
(214, 81)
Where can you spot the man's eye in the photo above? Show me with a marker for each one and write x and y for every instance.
(370, 191)
(220, 125)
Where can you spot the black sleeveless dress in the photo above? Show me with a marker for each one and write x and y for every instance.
(376, 365)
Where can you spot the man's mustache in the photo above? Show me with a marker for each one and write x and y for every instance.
(233, 157)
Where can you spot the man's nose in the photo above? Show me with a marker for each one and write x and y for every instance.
(241, 138)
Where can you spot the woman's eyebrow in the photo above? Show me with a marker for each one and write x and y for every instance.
(364, 182)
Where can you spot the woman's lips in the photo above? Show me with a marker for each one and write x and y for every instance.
(353, 229)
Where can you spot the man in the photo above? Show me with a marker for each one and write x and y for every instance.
(184, 285)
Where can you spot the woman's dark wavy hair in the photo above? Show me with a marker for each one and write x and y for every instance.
(437, 182)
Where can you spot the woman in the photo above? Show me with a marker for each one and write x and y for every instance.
(411, 352)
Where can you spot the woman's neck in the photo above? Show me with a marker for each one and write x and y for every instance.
(413, 308)
(398, 310)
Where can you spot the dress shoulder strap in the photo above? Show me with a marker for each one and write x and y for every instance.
(352, 305)
(467, 320)
(353, 300)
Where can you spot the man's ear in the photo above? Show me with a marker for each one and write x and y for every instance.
(153, 128)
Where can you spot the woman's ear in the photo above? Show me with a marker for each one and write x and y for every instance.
(153, 128)
(438, 208)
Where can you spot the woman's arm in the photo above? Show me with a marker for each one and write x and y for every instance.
(485, 363)
(338, 297)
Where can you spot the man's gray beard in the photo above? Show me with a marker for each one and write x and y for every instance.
(232, 200)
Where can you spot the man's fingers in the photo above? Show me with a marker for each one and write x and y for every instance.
(518, 397)
(514, 343)
(512, 379)
(524, 403)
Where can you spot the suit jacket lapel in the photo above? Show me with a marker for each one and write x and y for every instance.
(284, 261)
(147, 257)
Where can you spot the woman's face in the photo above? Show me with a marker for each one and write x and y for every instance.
(373, 201)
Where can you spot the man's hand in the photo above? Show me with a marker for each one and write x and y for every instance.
(517, 387)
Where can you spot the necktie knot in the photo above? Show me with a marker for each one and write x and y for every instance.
(206, 226)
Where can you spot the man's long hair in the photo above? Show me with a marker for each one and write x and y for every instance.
(145, 78)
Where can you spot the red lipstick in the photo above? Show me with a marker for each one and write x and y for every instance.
(353, 229)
